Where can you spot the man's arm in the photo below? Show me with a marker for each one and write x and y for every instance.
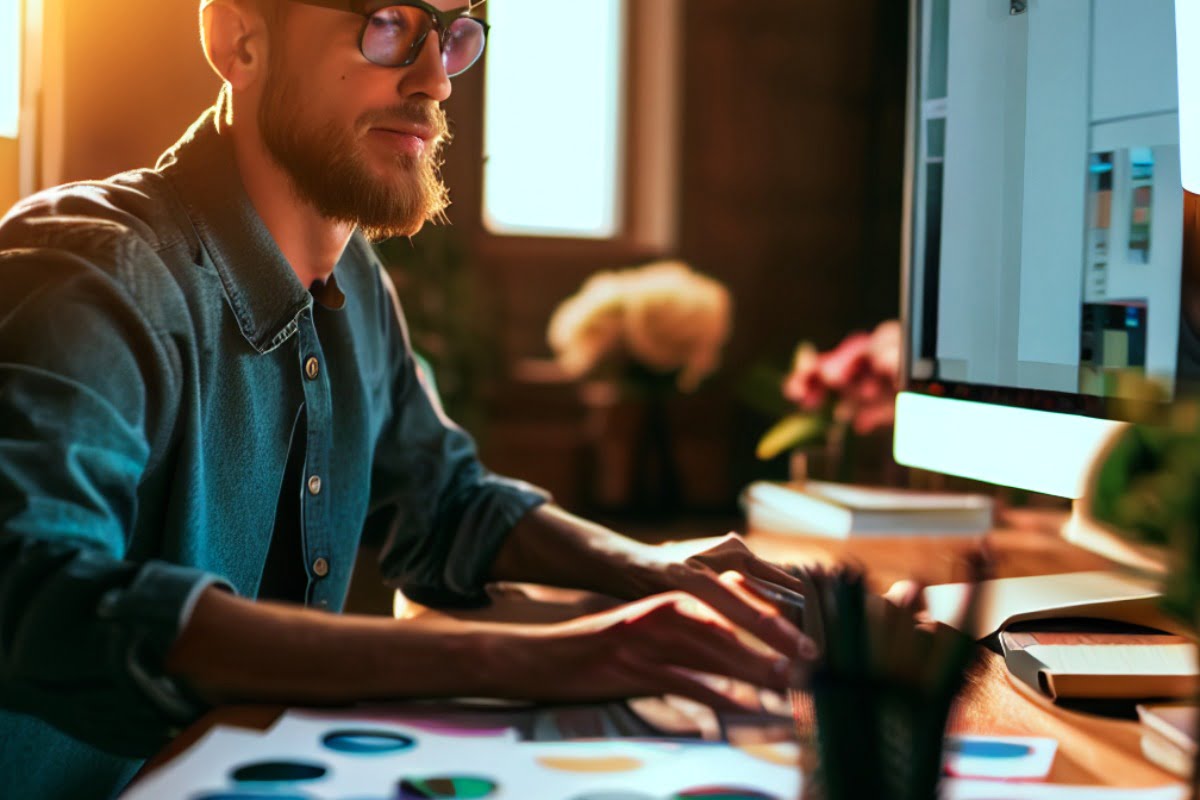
(83, 380)
(553, 547)
(234, 650)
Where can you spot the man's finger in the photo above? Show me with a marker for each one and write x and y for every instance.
(769, 572)
(732, 553)
(719, 652)
(790, 604)
(750, 613)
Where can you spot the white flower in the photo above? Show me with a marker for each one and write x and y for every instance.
(664, 315)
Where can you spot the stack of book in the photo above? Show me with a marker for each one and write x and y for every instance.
(815, 508)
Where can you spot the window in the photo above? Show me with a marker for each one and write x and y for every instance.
(10, 67)
(553, 122)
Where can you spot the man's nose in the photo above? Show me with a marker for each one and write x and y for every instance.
(427, 75)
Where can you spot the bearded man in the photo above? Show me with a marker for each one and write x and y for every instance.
(208, 397)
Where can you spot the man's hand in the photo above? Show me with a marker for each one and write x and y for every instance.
(670, 643)
(727, 576)
(553, 547)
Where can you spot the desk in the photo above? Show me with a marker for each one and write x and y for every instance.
(1092, 750)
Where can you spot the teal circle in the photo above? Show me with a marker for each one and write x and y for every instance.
(368, 743)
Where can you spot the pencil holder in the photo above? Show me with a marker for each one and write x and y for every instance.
(876, 739)
(881, 694)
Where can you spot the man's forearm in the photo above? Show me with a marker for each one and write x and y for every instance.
(553, 547)
(234, 650)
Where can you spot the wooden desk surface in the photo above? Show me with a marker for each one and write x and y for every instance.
(1093, 750)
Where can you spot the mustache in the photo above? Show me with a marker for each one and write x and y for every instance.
(428, 116)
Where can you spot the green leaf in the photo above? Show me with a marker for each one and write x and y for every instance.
(761, 389)
(789, 432)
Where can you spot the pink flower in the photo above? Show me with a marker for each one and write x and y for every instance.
(862, 373)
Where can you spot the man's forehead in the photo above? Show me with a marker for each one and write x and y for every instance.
(443, 5)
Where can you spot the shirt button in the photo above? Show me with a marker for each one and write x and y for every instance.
(312, 368)
(314, 485)
(320, 568)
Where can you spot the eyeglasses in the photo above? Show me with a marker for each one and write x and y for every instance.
(394, 33)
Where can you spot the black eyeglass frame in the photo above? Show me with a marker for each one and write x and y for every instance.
(442, 20)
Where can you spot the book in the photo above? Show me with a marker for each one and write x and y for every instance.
(1169, 735)
(1097, 665)
(817, 508)
(1105, 595)
(1070, 655)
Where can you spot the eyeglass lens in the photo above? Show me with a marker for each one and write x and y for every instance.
(392, 34)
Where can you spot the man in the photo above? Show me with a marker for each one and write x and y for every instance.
(207, 396)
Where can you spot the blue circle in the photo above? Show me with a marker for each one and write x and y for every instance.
(368, 743)
(977, 748)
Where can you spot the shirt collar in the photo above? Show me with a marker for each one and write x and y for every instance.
(262, 289)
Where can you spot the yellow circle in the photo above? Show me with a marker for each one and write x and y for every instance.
(593, 765)
(781, 755)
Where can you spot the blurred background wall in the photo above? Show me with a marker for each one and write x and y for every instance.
(123, 79)
(789, 152)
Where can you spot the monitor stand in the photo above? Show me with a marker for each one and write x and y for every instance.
(1083, 531)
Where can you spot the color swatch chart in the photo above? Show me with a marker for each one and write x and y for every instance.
(395, 756)
(312, 756)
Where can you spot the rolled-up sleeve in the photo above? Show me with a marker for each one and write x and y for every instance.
(84, 630)
(441, 515)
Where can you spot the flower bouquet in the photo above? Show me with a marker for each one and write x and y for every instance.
(659, 321)
(847, 392)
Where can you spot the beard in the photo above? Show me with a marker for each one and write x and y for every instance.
(329, 169)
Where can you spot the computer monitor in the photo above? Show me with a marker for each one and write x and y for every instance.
(1044, 229)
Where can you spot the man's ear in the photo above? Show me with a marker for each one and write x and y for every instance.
(235, 42)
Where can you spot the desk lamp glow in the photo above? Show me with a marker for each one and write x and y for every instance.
(1010, 104)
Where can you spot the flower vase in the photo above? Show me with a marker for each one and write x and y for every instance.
(654, 478)
(822, 460)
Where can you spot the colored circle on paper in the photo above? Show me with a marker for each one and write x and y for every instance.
(368, 743)
(278, 772)
(722, 793)
(596, 764)
(982, 748)
(461, 787)
(781, 755)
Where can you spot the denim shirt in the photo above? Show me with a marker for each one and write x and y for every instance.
(159, 361)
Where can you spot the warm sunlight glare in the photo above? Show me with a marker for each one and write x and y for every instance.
(553, 122)
(10, 67)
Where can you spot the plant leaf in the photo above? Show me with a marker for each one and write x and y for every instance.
(789, 432)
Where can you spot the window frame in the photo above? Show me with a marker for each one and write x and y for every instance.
(648, 218)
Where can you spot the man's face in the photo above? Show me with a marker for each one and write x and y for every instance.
(362, 143)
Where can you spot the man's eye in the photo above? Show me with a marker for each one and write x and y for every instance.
(391, 22)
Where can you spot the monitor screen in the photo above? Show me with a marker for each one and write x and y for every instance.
(1046, 233)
